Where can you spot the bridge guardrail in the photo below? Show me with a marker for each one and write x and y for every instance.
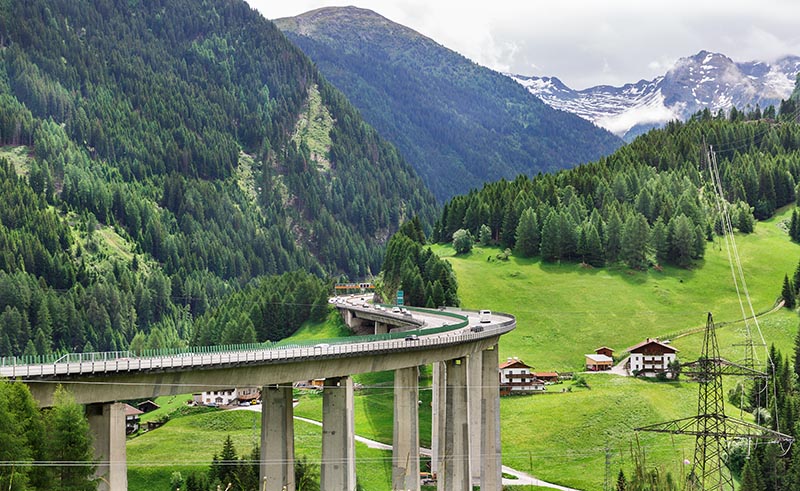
(125, 361)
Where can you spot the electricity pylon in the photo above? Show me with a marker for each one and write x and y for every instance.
(711, 427)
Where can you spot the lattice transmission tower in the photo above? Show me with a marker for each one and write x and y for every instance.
(711, 427)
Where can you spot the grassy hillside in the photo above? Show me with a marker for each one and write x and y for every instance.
(565, 310)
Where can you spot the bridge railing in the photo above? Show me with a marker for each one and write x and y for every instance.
(84, 363)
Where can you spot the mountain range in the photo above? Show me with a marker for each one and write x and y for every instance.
(458, 123)
(705, 80)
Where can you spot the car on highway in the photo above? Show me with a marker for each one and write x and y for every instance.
(485, 315)
(412, 337)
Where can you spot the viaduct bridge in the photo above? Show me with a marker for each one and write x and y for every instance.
(466, 407)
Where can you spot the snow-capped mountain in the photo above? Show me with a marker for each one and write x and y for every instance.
(705, 80)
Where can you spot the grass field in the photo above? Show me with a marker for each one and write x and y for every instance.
(188, 444)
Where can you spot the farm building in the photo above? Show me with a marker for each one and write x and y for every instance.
(651, 357)
(598, 363)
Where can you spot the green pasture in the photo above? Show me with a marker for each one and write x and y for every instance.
(188, 444)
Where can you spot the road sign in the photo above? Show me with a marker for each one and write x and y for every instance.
(399, 297)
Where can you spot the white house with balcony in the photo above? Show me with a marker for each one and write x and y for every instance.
(516, 378)
(651, 357)
(226, 397)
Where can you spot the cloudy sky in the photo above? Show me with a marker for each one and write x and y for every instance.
(587, 42)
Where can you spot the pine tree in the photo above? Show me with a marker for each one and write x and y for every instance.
(224, 468)
(613, 239)
(622, 483)
(69, 441)
(13, 446)
(527, 237)
(751, 476)
(787, 293)
(550, 246)
(681, 240)
(635, 237)
(659, 242)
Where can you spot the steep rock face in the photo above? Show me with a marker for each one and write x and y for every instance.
(459, 124)
(705, 80)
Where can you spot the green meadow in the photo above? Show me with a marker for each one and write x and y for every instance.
(188, 444)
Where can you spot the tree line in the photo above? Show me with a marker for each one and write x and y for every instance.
(650, 203)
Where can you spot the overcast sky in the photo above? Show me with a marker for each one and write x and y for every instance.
(587, 42)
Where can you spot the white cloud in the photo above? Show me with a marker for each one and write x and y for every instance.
(576, 40)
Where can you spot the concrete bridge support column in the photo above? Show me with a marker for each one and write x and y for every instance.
(107, 424)
(490, 450)
(351, 320)
(277, 438)
(405, 453)
(381, 327)
(474, 394)
(439, 419)
(454, 474)
(338, 469)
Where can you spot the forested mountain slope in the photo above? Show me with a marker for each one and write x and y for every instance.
(458, 123)
(165, 153)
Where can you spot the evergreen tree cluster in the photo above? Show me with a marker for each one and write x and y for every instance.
(267, 310)
(426, 280)
(58, 437)
(775, 403)
(650, 202)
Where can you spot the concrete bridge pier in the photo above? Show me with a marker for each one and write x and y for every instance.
(474, 395)
(381, 327)
(454, 471)
(351, 320)
(439, 416)
(107, 425)
(491, 470)
(405, 454)
(277, 438)
(338, 469)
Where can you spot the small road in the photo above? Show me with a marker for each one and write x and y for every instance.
(522, 478)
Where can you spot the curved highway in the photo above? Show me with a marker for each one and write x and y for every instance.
(440, 335)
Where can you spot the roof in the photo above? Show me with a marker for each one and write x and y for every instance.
(546, 374)
(600, 358)
(603, 347)
(132, 411)
(514, 363)
(148, 403)
(655, 342)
